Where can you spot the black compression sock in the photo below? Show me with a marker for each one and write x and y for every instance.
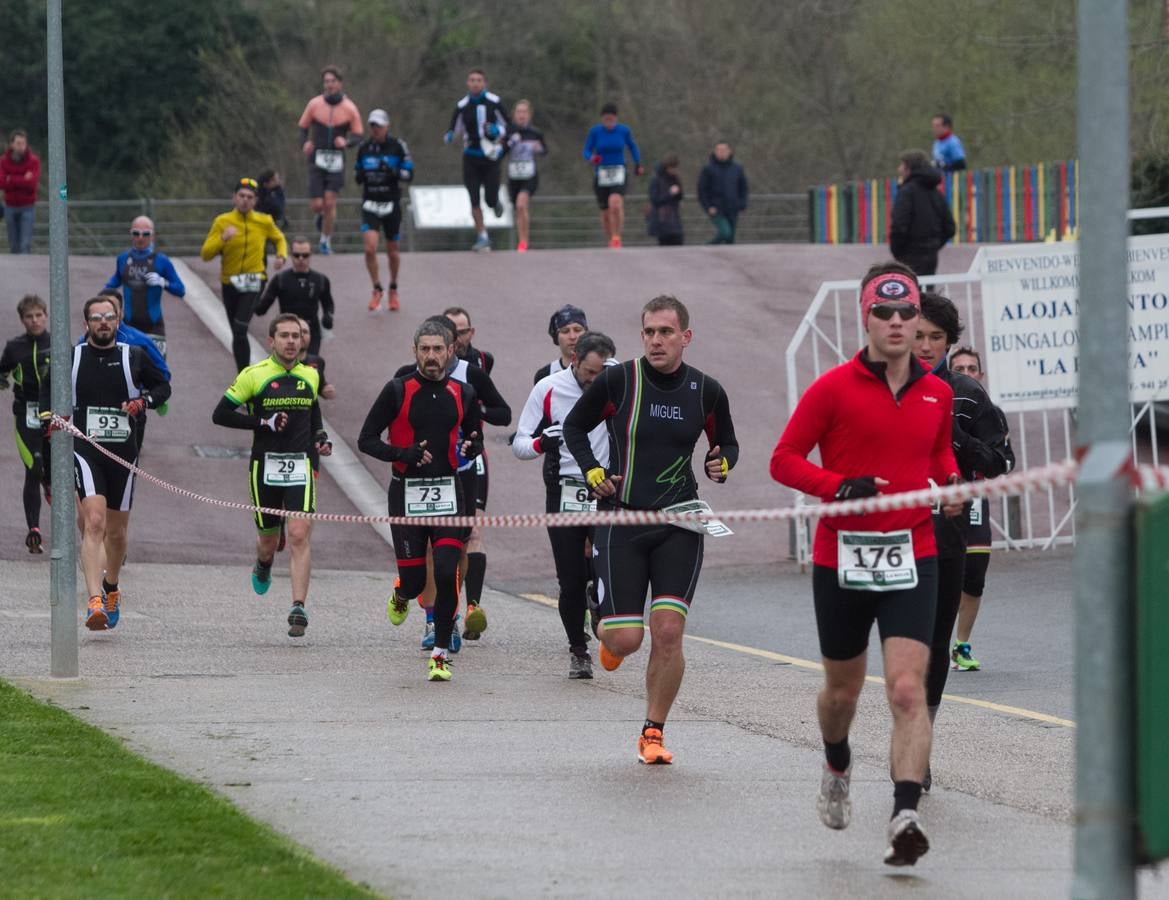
(265, 565)
(839, 755)
(107, 587)
(905, 795)
(650, 723)
(476, 572)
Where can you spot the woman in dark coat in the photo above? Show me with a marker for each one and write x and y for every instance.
(664, 219)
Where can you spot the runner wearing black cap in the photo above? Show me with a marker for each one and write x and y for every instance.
(566, 325)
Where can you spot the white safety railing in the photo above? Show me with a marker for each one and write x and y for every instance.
(831, 332)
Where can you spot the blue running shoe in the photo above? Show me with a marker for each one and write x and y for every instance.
(261, 578)
(456, 640)
(113, 605)
(428, 637)
(297, 621)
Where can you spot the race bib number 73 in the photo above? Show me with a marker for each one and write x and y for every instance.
(431, 496)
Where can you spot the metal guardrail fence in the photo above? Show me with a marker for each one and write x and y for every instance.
(101, 227)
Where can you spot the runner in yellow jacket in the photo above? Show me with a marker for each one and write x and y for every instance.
(238, 238)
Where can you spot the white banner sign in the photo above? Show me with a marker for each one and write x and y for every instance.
(1031, 311)
(442, 206)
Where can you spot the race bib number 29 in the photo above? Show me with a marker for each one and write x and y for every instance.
(875, 560)
(285, 469)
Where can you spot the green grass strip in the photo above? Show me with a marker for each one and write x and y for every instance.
(81, 816)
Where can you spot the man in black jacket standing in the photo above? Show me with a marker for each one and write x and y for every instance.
(722, 191)
(922, 222)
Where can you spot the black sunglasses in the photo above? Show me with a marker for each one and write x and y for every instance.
(141, 233)
(301, 255)
(884, 311)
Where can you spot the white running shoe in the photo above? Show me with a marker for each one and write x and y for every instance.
(907, 840)
(833, 804)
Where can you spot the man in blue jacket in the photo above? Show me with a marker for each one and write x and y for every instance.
(143, 274)
(722, 191)
(948, 153)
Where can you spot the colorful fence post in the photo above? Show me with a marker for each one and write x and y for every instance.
(1035, 202)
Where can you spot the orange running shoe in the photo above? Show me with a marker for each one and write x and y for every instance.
(375, 299)
(615, 242)
(650, 750)
(97, 614)
(609, 661)
(395, 304)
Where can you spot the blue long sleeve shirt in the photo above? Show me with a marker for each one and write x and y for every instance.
(127, 334)
(141, 303)
(949, 154)
(611, 145)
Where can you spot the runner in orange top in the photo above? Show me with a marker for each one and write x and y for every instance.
(330, 123)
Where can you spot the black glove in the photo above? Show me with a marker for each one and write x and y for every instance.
(327, 320)
(474, 448)
(550, 439)
(857, 488)
(411, 456)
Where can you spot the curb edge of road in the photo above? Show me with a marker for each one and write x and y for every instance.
(355, 481)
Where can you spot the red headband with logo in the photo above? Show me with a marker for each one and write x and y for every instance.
(890, 288)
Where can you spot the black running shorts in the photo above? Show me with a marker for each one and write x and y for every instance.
(96, 474)
(631, 559)
(481, 173)
(302, 497)
(844, 616)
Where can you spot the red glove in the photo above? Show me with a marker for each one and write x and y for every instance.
(596, 159)
(639, 169)
(47, 426)
(134, 408)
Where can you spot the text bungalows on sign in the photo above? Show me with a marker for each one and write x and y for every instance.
(1031, 320)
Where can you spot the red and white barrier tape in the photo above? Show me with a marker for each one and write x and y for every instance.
(1052, 475)
(1152, 478)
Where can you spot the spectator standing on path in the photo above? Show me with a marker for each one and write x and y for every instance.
(722, 191)
(270, 198)
(143, 274)
(922, 222)
(949, 154)
(604, 149)
(664, 219)
(330, 123)
(20, 173)
(481, 119)
(524, 144)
